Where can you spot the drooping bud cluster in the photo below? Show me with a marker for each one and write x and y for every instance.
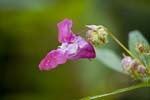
(134, 68)
(142, 48)
(97, 34)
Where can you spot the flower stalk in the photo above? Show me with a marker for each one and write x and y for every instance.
(121, 44)
(140, 85)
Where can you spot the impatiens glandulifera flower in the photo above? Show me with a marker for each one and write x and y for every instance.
(97, 34)
(134, 68)
(72, 47)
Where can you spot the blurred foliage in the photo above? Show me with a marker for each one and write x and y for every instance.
(28, 30)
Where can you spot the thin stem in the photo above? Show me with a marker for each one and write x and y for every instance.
(84, 30)
(121, 44)
(144, 84)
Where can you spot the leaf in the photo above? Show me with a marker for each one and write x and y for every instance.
(137, 37)
(147, 60)
(110, 59)
(134, 38)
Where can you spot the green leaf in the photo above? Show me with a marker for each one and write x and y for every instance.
(148, 60)
(134, 38)
(109, 58)
(137, 37)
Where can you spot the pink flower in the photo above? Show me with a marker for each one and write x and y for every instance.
(72, 47)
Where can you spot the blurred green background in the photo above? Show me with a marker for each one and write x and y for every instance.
(28, 31)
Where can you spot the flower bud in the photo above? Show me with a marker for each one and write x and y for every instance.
(141, 69)
(133, 68)
(134, 63)
(143, 49)
(140, 48)
(126, 62)
(97, 34)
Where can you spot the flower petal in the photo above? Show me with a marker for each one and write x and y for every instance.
(64, 31)
(86, 52)
(85, 49)
(52, 59)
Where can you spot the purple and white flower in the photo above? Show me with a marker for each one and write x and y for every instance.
(72, 47)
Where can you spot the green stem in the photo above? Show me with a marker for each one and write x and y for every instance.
(144, 84)
(121, 44)
(82, 31)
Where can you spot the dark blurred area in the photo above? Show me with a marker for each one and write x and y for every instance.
(28, 30)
